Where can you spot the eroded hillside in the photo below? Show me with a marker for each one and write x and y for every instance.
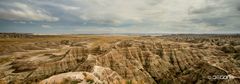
(120, 59)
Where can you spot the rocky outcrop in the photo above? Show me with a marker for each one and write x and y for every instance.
(98, 75)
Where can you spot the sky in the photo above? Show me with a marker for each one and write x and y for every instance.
(119, 16)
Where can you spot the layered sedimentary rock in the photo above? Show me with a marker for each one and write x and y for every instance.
(144, 60)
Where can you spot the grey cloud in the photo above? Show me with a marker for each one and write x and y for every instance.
(23, 12)
(129, 15)
(238, 8)
(203, 10)
(222, 14)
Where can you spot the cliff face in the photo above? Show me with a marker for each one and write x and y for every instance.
(139, 61)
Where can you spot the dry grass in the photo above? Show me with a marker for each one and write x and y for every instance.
(19, 41)
(101, 40)
(5, 59)
(4, 41)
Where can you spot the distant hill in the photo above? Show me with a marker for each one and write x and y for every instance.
(15, 35)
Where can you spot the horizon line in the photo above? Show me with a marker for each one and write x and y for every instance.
(116, 33)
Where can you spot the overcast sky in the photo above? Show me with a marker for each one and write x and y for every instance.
(120, 16)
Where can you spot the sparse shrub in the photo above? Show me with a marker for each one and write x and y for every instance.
(66, 80)
(171, 58)
(129, 82)
(88, 78)
(70, 81)
(4, 60)
(234, 43)
(237, 48)
(160, 52)
(165, 81)
(74, 82)
(228, 49)
(90, 81)
(22, 66)
(237, 56)
(66, 42)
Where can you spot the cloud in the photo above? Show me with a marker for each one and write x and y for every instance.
(46, 26)
(23, 12)
(118, 12)
(128, 15)
(218, 13)
(20, 22)
(114, 11)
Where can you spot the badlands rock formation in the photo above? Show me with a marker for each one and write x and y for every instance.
(128, 60)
